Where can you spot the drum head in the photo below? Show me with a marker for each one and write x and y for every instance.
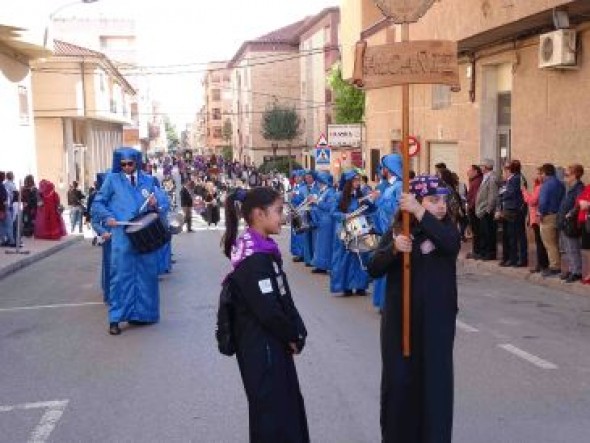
(144, 219)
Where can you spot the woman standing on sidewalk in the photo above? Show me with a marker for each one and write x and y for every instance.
(48, 223)
(532, 200)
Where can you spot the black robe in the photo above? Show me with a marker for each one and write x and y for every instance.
(417, 392)
(265, 322)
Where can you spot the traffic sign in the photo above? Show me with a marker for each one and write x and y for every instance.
(322, 156)
(413, 146)
(322, 141)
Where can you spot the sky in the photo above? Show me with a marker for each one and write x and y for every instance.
(188, 32)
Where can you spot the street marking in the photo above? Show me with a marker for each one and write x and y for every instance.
(64, 305)
(53, 413)
(544, 364)
(465, 327)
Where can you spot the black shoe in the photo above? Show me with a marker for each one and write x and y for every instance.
(319, 271)
(535, 270)
(297, 259)
(550, 272)
(347, 293)
(573, 278)
(114, 329)
(506, 264)
(521, 264)
(138, 323)
(489, 258)
(565, 275)
(361, 292)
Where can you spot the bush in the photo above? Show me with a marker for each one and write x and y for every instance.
(280, 165)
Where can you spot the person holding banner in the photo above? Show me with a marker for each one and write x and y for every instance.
(417, 391)
(126, 192)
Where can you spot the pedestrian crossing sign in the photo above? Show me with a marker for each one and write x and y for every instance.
(322, 156)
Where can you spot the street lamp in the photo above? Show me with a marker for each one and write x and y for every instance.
(54, 13)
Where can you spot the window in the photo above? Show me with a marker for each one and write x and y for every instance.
(328, 96)
(217, 132)
(441, 96)
(23, 105)
(216, 113)
(216, 95)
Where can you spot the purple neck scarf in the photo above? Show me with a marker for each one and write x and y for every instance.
(251, 242)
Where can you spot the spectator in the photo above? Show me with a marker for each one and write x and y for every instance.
(75, 198)
(439, 167)
(568, 214)
(583, 203)
(514, 218)
(550, 196)
(29, 201)
(486, 203)
(475, 177)
(532, 200)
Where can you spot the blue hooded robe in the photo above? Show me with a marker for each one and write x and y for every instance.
(347, 272)
(321, 216)
(134, 291)
(309, 237)
(100, 229)
(296, 199)
(386, 208)
(165, 252)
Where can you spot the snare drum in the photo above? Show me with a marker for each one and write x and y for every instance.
(150, 235)
(358, 236)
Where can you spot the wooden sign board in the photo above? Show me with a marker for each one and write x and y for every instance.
(420, 62)
(404, 11)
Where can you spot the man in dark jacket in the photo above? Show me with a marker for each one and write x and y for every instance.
(475, 177)
(186, 203)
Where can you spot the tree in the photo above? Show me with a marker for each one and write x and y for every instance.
(281, 124)
(349, 101)
(171, 133)
(226, 134)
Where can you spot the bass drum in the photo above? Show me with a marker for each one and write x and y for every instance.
(149, 235)
(175, 222)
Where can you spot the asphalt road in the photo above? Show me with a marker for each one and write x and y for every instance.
(522, 359)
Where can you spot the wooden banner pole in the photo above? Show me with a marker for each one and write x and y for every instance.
(406, 319)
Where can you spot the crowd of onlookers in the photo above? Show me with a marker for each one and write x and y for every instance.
(555, 210)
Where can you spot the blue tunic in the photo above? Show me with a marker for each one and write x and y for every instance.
(106, 258)
(165, 252)
(321, 216)
(309, 237)
(386, 207)
(297, 239)
(347, 270)
(134, 292)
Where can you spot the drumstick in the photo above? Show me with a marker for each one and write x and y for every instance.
(145, 202)
(128, 223)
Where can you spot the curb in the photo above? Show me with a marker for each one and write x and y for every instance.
(30, 259)
(517, 273)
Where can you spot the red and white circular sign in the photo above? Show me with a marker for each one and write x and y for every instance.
(413, 146)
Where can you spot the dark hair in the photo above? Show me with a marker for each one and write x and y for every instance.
(514, 167)
(447, 177)
(577, 170)
(441, 165)
(548, 169)
(477, 169)
(260, 197)
(347, 194)
(412, 174)
(29, 181)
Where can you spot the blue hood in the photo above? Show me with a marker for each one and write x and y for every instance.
(325, 178)
(125, 153)
(394, 163)
(346, 176)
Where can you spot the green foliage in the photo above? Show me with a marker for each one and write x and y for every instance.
(349, 101)
(227, 153)
(227, 131)
(280, 164)
(171, 133)
(280, 123)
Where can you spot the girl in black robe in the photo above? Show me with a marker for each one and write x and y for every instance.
(267, 327)
(417, 392)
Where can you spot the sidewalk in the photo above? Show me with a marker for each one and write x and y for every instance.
(492, 267)
(37, 250)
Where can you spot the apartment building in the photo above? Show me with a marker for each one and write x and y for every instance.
(21, 42)
(82, 103)
(217, 106)
(525, 84)
(265, 71)
(318, 46)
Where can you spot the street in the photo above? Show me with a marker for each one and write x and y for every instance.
(522, 361)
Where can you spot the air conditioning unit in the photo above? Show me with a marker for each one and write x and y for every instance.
(557, 49)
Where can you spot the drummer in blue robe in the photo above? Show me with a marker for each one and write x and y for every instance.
(321, 216)
(386, 206)
(165, 252)
(104, 233)
(310, 191)
(126, 192)
(296, 199)
(348, 273)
